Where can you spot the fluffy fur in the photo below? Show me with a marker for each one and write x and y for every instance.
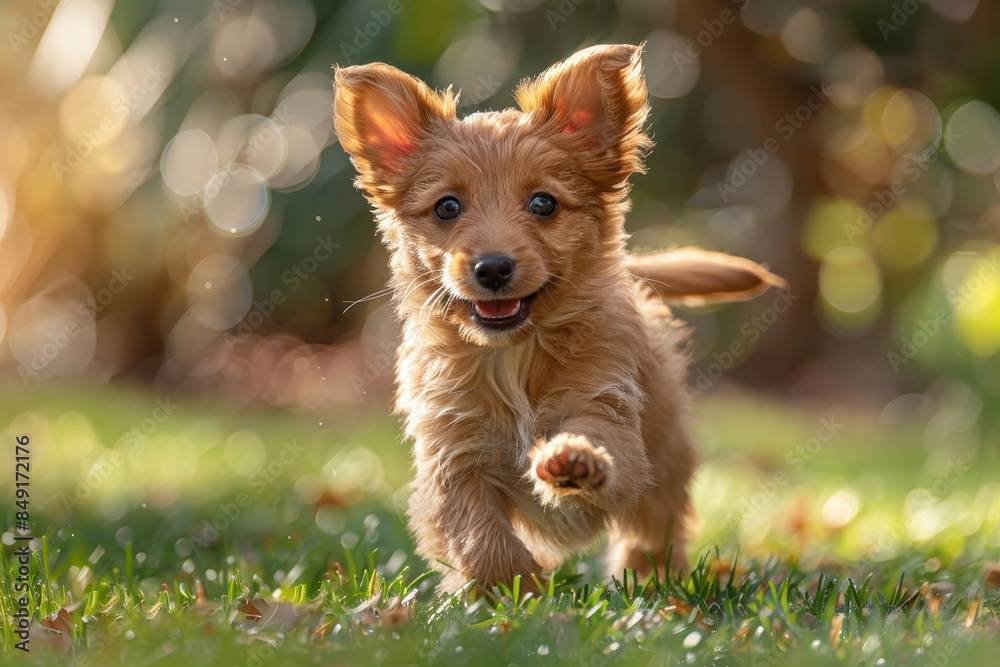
(532, 440)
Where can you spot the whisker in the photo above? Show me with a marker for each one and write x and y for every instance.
(370, 297)
(428, 307)
(653, 280)
(416, 284)
(571, 283)
(655, 291)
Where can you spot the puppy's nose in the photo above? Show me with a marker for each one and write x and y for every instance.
(493, 271)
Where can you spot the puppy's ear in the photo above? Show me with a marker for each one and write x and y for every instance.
(382, 116)
(594, 106)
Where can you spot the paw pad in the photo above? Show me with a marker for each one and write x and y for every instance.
(573, 465)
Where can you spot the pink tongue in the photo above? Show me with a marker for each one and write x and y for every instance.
(497, 309)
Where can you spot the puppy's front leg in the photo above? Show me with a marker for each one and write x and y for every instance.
(597, 459)
(463, 519)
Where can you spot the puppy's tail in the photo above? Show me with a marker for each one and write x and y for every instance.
(692, 277)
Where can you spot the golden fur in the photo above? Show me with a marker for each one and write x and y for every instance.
(531, 442)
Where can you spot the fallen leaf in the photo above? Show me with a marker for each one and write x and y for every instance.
(835, 626)
(722, 568)
(60, 621)
(54, 632)
(395, 615)
(992, 576)
(323, 630)
(202, 605)
(970, 618)
(272, 614)
(681, 608)
(251, 610)
(936, 593)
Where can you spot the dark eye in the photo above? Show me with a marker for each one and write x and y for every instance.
(542, 204)
(447, 209)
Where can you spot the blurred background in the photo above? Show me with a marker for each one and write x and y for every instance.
(175, 211)
(174, 207)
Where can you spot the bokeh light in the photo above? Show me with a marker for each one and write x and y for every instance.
(237, 199)
(910, 123)
(850, 284)
(672, 64)
(219, 291)
(189, 162)
(955, 10)
(811, 36)
(853, 75)
(906, 236)
(974, 137)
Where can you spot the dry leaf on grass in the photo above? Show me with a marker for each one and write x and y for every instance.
(54, 632)
(970, 618)
(835, 627)
(202, 605)
(272, 615)
(723, 569)
(936, 593)
(692, 614)
(992, 576)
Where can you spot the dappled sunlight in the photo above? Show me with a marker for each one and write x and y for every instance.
(816, 491)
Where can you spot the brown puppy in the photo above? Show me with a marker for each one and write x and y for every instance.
(540, 376)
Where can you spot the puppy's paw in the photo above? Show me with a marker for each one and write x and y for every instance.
(570, 465)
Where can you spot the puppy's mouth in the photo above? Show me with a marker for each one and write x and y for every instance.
(501, 314)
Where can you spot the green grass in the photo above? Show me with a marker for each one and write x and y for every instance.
(862, 548)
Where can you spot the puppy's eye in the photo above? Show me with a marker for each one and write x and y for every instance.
(543, 204)
(448, 208)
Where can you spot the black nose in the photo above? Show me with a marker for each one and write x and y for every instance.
(494, 271)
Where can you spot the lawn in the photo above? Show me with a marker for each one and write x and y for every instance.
(177, 531)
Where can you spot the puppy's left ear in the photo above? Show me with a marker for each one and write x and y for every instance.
(594, 106)
(383, 118)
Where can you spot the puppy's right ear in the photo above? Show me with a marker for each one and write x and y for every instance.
(382, 116)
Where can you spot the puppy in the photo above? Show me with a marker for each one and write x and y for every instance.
(540, 375)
